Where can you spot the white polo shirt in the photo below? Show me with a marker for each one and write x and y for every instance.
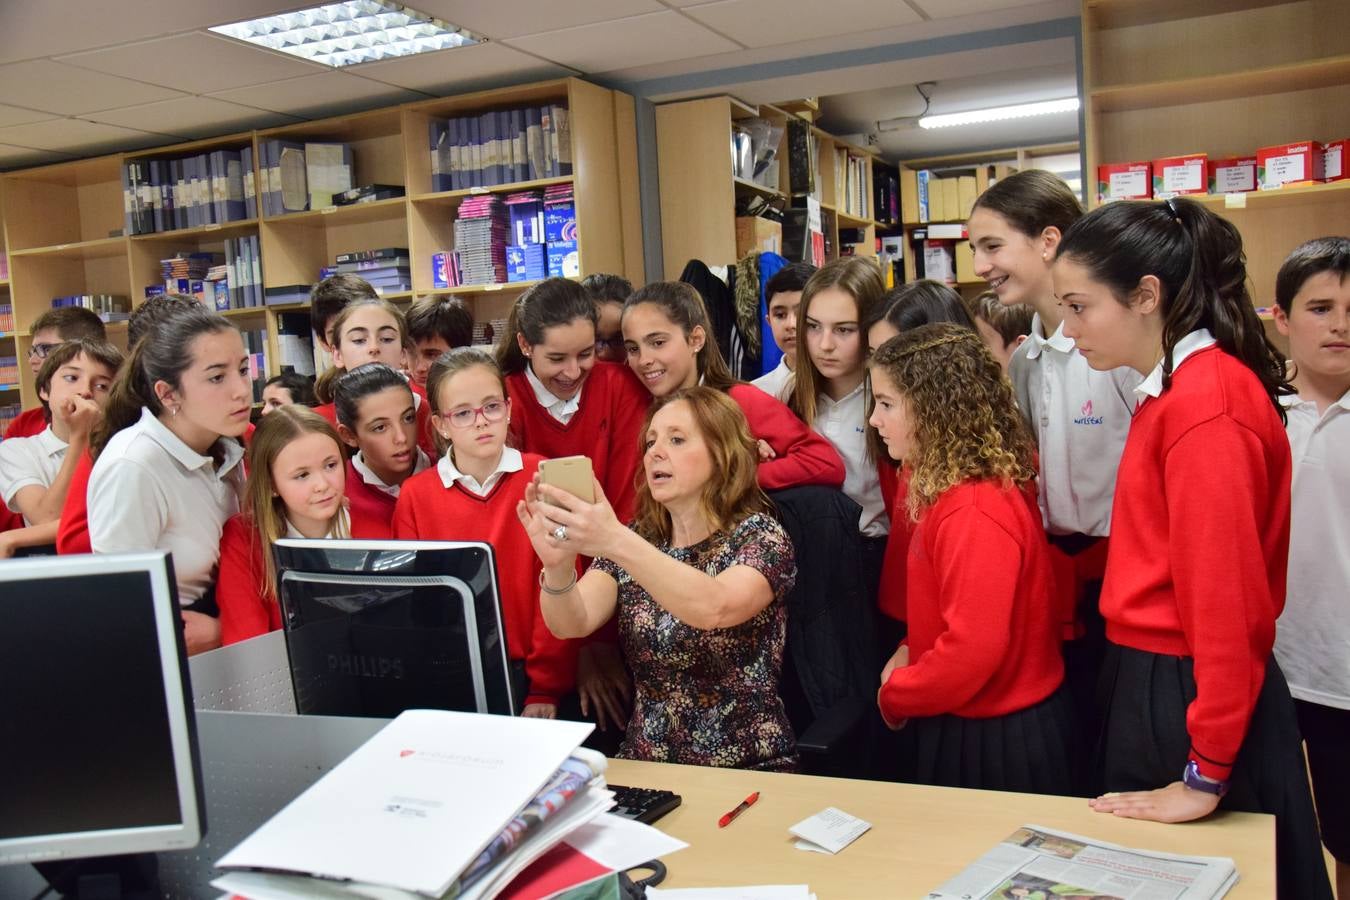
(29, 462)
(843, 424)
(1080, 418)
(1312, 640)
(778, 381)
(562, 410)
(149, 490)
(510, 461)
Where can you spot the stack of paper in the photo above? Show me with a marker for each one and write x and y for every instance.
(444, 804)
(482, 231)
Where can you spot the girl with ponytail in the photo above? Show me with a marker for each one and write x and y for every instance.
(1195, 576)
(166, 473)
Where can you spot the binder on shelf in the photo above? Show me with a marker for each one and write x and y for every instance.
(292, 178)
(328, 172)
(475, 153)
(439, 137)
(249, 183)
(562, 139)
(534, 144)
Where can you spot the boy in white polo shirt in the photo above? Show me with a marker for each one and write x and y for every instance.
(35, 471)
(1312, 645)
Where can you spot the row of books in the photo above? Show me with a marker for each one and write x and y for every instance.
(6, 318)
(850, 184)
(4, 266)
(8, 413)
(295, 176)
(9, 369)
(255, 344)
(110, 307)
(186, 192)
(500, 147)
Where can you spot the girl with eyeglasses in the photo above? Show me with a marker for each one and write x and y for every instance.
(471, 495)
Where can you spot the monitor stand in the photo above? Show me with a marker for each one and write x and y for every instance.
(129, 877)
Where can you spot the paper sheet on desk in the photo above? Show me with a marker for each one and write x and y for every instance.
(743, 892)
(829, 831)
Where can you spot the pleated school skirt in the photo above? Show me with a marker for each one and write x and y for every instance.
(1145, 745)
(1026, 751)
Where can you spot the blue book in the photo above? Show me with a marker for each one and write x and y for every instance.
(438, 137)
(156, 197)
(520, 153)
(534, 144)
(487, 135)
(456, 128)
(215, 164)
(249, 183)
(256, 279)
(234, 185)
(506, 148)
(474, 152)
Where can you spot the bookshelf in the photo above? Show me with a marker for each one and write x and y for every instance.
(699, 188)
(1192, 76)
(64, 225)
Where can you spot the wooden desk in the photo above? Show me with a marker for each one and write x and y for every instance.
(920, 836)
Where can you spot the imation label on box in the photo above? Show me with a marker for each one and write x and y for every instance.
(1175, 175)
(1124, 181)
(1335, 160)
(1232, 176)
(1290, 164)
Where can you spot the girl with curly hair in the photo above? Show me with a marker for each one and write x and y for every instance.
(980, 674)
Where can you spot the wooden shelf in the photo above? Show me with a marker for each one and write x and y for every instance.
(96, 249)
(6, 388)
(218, 231)
(244, 312)
(1331, 192)
(456, 197)
(1128, 13)
(462, 289)
(848, 221)
(1317, 73)
(745, 185)
(354, 214)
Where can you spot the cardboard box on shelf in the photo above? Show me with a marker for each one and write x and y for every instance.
(1124, 181)
(1334, 165)
(965, 263)
(939, 263)
(966, 193)
(1287, 165)
(1232, 176)
(1174, 175)
(758, 235)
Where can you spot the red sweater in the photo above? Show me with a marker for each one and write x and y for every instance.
(605, 428)
(370, 505)
(73, 534)
(983, 638)
(801, 455)
(426, 435)
(1200, 542)
(891, 590)
(428, 511)
(28, 423)
(247, 607)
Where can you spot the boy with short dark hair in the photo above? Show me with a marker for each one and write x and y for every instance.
(783, 297)
(1002, 327)
(435, 325)
(329, 297)
(1312, 297)
(52, 329)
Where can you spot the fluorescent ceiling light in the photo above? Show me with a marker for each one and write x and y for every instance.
(999, 113)
(351, 32)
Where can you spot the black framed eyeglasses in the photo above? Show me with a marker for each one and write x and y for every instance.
(41, 350)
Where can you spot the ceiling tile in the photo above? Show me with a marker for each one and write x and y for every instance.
(462, 68)
(317, 96)
(12, 157)
(192, 117)
(606, 46)
(198, 63)
(14, 115)
(513, 18)
(79, 136)
(761, 23)
(33, 30)
(68, 91)
(949, 9)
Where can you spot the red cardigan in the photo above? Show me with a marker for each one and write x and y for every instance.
(983, 637)
(427, 510)
(426, 434)
(891, 590)
(29, 423)
(72, 536)
(1200, 542)
(801, 455)
(605, 428)
(370, 505)
(247, 607)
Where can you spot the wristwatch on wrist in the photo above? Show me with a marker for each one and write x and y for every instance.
(1197, 782)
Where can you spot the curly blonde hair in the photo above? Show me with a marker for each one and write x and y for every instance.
(966, 424)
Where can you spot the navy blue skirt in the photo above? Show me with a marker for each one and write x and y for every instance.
(1145, 745)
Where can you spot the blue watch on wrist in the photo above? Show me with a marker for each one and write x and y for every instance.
(1197, 782)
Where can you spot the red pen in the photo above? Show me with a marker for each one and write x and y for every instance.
(745, 804)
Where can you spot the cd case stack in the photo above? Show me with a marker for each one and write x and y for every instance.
(482, 228)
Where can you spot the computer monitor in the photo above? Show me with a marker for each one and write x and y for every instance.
(377, 627)
(100, 749)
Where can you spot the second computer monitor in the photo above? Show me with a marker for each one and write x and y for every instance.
(377, 627)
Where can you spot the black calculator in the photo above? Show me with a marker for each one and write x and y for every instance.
(642, 804)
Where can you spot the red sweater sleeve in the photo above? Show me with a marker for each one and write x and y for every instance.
(1220, 580)
(801, 456)
(240, 590)
(72, 536)
(976, 564)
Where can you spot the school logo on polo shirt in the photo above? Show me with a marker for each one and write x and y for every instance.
(1086, 417)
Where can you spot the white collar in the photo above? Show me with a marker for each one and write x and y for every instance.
(1057, 341)
(828, 403)
(369, 477)
(510, 461)
(1294, 400)
(51, 444)
(1197, 340)
(157, 431)
(340, 528)
(546, 398)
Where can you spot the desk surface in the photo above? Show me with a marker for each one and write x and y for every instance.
(920, 836)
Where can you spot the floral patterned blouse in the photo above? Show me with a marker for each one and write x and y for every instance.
(710, 697)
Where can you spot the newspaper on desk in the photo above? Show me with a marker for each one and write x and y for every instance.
(1040, 863)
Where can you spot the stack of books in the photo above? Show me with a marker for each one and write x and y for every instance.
(447, 804)
(287, 294)
(500, 147)
(482, 227)
(110, 307)
(6, 318)
(193, 266)
(388, 270)
(560, 231)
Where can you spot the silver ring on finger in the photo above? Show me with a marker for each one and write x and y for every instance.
(560, 533)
